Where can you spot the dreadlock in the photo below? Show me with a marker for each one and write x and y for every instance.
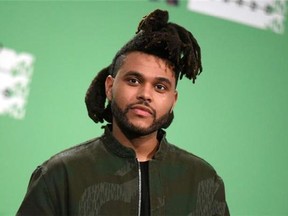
(155, 36)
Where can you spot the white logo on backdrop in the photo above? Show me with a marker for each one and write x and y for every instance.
(15, 76)
(263, 14)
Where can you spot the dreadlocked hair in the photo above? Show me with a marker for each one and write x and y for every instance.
(155, 36)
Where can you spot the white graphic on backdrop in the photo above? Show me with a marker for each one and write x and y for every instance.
(263, 14)
(15, 76)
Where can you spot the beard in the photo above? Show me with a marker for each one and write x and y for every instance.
(131, 130)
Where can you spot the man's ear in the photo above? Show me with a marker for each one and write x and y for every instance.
(175, 101)
(108, 87)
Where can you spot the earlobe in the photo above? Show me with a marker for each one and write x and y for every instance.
(172, 108)
(108, 86)
(175, 100)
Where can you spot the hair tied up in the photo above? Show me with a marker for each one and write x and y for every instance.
(153, 21)
(96, 97)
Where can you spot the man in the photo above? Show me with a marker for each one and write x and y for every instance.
(132, 169)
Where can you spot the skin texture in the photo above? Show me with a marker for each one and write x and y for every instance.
(142, 95)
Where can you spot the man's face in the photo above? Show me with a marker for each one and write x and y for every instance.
(142, 94)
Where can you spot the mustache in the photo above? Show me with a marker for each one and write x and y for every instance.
(143, 103)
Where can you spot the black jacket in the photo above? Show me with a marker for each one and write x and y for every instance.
(101, 177)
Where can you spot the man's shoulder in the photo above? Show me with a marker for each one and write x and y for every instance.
(77, 150)
(76, 154)
(179, 155)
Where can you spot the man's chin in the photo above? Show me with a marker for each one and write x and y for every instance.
(136, 130)
(140, 125)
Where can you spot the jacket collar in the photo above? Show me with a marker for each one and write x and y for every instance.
(114, 146)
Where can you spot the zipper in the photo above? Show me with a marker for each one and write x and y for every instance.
(139, 188)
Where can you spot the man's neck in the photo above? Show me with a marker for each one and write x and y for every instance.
(144, 146)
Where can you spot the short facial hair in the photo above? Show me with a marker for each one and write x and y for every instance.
(131, 130)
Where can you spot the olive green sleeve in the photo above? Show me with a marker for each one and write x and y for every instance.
(37, 200)
(219, 206)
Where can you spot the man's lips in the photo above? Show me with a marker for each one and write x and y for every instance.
(142, 110)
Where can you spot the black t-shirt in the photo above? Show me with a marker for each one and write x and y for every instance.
(145, 195)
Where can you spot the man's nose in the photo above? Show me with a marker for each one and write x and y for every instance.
(145, 93)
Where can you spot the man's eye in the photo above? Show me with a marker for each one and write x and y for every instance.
(160, 87)
(133, 81)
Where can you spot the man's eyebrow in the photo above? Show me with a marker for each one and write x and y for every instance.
(133, 73)
(165, 80)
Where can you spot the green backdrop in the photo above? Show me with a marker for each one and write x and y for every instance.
(235, 116)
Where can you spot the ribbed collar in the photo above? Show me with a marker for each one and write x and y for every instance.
(114, 146)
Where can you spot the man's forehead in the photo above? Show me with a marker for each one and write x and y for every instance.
(140, 59)
(143, 60)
